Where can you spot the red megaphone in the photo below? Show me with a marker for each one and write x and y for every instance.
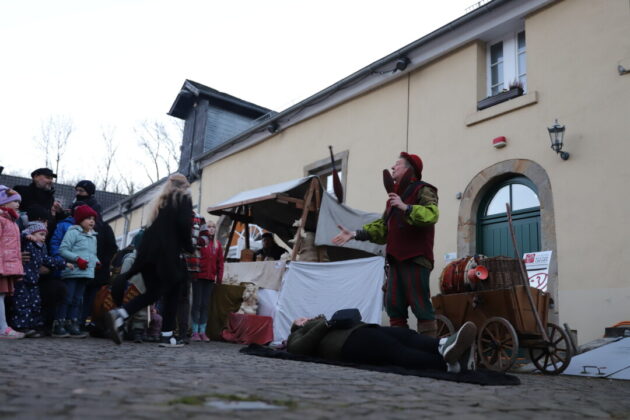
(478, 273)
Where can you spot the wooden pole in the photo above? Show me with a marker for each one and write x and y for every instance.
(305, 210)
(229, 241)
(524, 278)
(246, 227)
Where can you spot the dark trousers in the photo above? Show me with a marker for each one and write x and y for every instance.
(183, 307)
(202, 292)
(392, 346)
(88, 300)
(158, 286)
(73, 304)
(408, 286)
(27, 306)
(53, 294)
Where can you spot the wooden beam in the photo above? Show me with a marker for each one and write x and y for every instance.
(247, 211)
(307, 204)
(233, 216)
(227, 246)
(299, 202)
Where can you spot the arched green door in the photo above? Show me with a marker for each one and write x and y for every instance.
(493, 235)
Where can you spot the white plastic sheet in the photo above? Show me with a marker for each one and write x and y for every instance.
(267, 302)
(331, 214)
(609, 361)
(310, 289)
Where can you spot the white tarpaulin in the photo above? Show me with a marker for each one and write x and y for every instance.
(608, 361)
(331, 214)
(310, 289)
(266, 274)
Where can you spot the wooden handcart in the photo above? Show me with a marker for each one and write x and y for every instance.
(509, 314)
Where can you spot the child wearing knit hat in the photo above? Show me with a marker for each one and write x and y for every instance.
(10, 257)
(79, 247)
(27, 304)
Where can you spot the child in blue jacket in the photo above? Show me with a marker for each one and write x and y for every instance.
(78, 247)
(27, 303)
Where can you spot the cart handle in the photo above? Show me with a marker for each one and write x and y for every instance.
(524, 278)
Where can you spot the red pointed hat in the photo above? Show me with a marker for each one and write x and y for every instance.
(414, 161)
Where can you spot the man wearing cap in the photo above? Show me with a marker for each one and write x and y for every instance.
(38, 200)
(39, 196)
(270, 249)
(408, 229)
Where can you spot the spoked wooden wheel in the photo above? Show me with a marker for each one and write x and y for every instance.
(497, 344)
(444, 326)
(553, 357)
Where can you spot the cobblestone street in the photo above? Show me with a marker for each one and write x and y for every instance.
(93, 378)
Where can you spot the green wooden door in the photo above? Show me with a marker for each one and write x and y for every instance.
(493, 235)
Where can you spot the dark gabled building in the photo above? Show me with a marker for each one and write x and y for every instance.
(212, 118)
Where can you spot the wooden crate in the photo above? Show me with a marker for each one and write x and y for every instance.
(511, 304)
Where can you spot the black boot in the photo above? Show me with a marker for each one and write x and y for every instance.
(59, 329)
(74, 330)
(137, 335)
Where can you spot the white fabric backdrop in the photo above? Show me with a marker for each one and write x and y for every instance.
(267, 302)
(310, 289)
(331, 214)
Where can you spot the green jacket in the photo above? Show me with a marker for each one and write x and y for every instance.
(425, 212)
(78, 244)
(315, 338)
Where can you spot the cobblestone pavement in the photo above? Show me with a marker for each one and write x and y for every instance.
(94, 378)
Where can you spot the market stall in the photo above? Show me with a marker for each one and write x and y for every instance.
(302, 213)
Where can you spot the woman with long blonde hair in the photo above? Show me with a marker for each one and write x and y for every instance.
(159, 258)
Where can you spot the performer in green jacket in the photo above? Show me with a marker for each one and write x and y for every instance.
(408, 229)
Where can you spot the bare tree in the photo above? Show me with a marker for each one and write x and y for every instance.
(160, 148)
(53, 140)
(106, 178)
(129, 185)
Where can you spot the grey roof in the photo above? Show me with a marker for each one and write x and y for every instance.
(65, 193)
(191, 90)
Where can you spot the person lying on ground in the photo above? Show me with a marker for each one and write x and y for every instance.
(373, 344)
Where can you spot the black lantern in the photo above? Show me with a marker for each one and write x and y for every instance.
(556, 135)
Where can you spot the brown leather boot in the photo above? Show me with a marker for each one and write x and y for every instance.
(428, 327)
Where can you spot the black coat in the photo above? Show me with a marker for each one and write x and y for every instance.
(91, 201)
(106, 247)
(33, 197)
(166, 239)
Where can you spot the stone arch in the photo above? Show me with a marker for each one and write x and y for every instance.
(477, 189)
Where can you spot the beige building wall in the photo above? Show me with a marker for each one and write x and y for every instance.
(573, 73)
(573, 48)
(372, 128)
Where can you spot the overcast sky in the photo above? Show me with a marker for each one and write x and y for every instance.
(115, 63)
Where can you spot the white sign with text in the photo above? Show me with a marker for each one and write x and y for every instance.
(537, 265)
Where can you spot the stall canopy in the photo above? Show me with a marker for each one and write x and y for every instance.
(274, 207)
(277, 207)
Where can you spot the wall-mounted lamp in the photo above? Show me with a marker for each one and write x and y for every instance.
(556, 135)
(273, 127)
(402, 63)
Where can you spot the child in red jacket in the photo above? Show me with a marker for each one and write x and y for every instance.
(211, 272)
(11, 269)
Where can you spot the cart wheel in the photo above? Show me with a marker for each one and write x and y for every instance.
(444, 326)
(552, 358)
(497, 344)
